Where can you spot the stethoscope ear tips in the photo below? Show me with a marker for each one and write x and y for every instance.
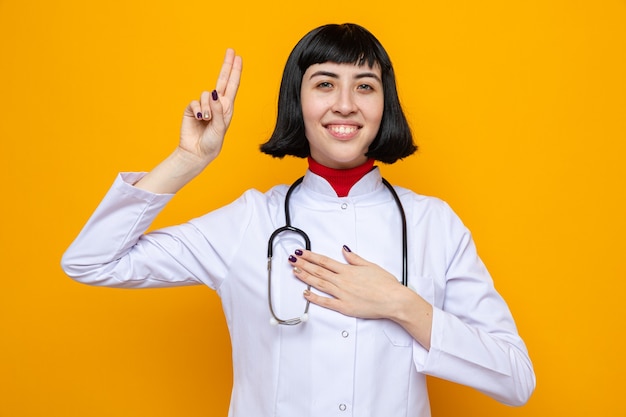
(273, 321)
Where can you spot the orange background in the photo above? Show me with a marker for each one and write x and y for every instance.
(519, 109)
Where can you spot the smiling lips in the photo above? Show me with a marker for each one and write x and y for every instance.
(342, 131)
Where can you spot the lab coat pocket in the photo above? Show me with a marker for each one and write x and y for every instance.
(396, 334)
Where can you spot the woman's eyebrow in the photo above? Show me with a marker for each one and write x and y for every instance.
(368, 75)
(334, 75)
(323, 74)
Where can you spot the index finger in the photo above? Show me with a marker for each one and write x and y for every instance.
(230, 74)
(322, 261)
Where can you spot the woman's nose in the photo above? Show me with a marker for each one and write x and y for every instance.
(345, 103)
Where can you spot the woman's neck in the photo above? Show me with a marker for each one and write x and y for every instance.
(341, 180)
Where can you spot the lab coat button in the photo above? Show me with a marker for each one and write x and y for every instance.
(342, 407)
(344, 206)
(345, 334)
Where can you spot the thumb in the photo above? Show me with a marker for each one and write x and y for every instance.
(353, 258)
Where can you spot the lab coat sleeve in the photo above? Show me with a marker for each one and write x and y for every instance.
(114, 250)
(474, 337)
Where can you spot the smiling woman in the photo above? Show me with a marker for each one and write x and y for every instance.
(342, 107)
(339, 44)
(371, 339)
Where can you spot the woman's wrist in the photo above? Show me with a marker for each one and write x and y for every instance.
(188, 163)
(415, 315)
(173, 173)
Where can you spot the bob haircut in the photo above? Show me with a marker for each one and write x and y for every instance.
(347, 43)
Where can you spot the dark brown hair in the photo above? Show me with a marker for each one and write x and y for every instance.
(345, 43)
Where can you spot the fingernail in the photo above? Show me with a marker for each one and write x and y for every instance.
(347, 249)
(299, 252)
(206, 114)
(214, 95)
(199, 115)
(307, 293)
(297, 270)
(292, 258)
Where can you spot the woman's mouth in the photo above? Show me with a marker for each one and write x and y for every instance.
(342, 131)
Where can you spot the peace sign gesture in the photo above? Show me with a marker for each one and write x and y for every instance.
(202, 132)
(206, 120)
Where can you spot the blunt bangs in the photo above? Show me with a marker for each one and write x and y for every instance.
(343, 44)
(347, 43)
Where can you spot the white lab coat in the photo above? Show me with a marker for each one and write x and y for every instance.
(332, 364)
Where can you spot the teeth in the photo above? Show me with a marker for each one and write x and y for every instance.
(342, 130)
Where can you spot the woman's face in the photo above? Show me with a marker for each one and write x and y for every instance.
(342, 107)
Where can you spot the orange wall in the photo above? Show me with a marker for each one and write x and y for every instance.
(520, 112)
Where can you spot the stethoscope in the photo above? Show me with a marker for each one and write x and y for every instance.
(275, 320)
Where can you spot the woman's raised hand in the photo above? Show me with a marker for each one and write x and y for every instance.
(201, 135)
(206, 120)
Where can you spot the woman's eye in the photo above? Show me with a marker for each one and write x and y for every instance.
(325, 84)
(365, 87)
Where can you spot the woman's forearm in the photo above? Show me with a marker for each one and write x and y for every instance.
(173, 173)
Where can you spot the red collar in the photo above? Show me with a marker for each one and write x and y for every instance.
(341, 180)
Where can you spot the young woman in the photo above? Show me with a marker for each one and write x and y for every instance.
(369, 287)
